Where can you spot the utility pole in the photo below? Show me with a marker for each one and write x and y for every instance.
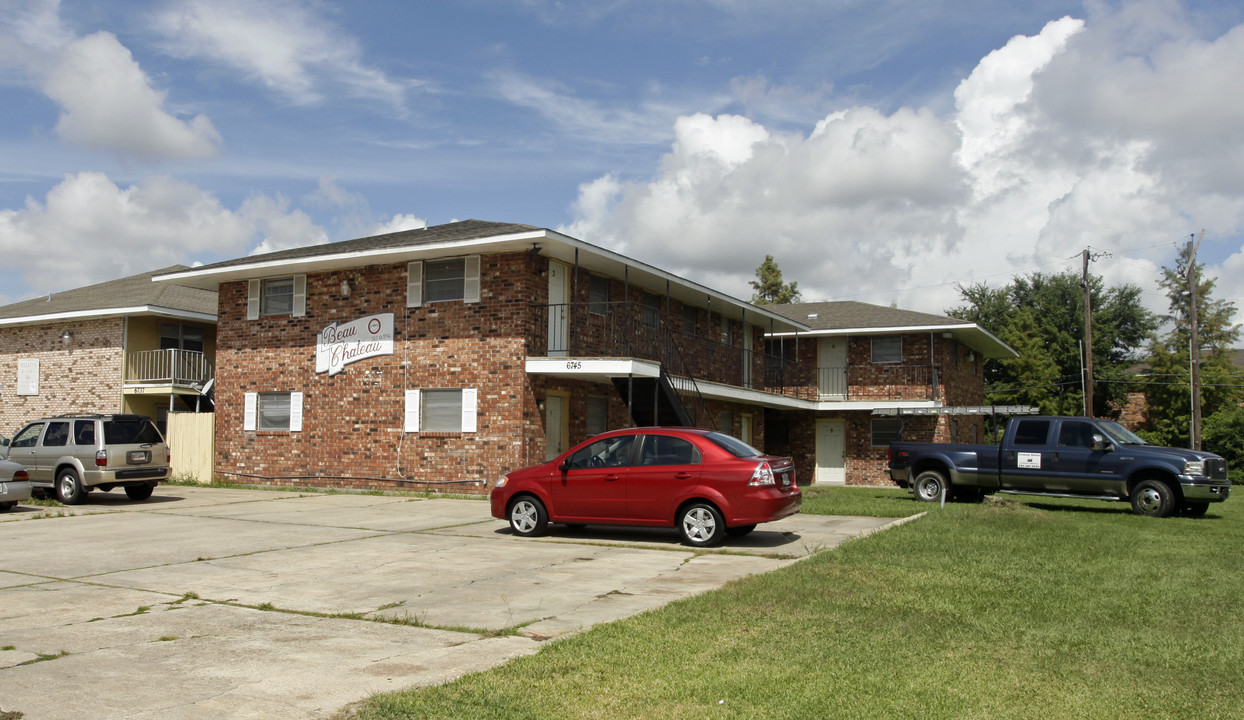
(1194, 345)
(1088, 337)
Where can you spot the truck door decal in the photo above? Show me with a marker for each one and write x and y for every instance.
(1029, 461)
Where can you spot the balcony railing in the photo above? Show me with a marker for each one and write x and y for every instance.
(185, 368)
(628, 329)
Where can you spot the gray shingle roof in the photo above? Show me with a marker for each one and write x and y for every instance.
(450, 232)
(847, 314)
(136, 291)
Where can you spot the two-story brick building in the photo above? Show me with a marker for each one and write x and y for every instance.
(445, 356)
(127, 345)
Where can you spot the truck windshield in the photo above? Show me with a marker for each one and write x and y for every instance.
(1120, 434)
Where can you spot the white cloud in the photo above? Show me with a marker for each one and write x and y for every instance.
(107, 101)
(1116, 132)
(281, 44)
(398, 223)
(101, 231)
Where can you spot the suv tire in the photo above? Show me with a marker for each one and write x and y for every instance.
(139, 492)
(69, 488)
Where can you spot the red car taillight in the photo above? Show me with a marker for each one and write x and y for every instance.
(101, 458)
(762, 475)
(21, 476)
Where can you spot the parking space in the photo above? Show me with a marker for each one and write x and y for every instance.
(209, 603)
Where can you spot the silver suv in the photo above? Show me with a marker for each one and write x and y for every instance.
(71, 455)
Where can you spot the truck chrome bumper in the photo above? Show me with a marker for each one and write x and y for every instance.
(1194, 491)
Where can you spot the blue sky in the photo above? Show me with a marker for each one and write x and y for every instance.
(880, 150)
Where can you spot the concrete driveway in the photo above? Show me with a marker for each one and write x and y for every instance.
(211, 603)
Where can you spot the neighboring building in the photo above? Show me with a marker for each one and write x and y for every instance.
(870, 358)
(445, 356)
(129, 345)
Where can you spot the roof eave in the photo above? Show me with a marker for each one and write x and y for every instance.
(552, 244)
(970, 334)
(104, 313)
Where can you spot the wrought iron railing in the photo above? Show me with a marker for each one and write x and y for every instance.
(187, 368)
(628, 329)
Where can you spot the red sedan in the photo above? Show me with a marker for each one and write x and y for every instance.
(705, 483)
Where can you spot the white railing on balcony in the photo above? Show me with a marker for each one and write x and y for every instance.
(187, 368)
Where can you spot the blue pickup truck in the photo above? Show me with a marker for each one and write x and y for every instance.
(1066, 457)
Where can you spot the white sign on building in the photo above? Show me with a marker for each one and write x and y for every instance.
(341, 344)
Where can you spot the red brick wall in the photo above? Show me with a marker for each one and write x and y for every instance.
(352, 432)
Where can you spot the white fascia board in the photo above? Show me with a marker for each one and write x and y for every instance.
(733, 393)
(885, 330)
(592, 368)
(138, 310)
(964, 328)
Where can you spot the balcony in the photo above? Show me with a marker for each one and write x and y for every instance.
(628, 329)
(172, 367)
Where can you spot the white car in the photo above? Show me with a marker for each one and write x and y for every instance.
(14, 485)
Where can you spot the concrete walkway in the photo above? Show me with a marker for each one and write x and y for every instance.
(211, 603)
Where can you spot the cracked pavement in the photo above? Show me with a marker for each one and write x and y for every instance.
(210, 603)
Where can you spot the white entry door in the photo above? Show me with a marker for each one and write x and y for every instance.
(556, 426)
(832, 368)
(831, 465)
(559, 296)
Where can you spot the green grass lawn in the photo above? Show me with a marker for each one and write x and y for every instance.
(1015, 608)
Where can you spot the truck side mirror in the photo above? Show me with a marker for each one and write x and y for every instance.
(1100, 442)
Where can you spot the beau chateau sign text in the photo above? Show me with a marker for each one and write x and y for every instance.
(341, 344)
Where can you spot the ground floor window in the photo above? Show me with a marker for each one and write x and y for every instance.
(441, 410)
(885, 431)
(273, 411)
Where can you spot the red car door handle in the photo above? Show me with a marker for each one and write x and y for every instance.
(682, 475)
(610, 478)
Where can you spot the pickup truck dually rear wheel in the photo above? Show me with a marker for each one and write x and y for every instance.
(930, 485)
(1153, 498)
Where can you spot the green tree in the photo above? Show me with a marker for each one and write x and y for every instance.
(768, 287)
(1167, 385)
(1224, 434)
(1041, 316)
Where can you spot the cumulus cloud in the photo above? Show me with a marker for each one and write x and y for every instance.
(1116, 132)
(102, 231)
(107, 101)
(398, 223)
(281, 44)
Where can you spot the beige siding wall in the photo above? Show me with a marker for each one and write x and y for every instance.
(191, 440)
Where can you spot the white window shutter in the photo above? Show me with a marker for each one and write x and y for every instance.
(249, 411)
(470, 399)
(252, 300)
(411, 424)
(300, 295)
(295, 412)
(414, 283)
(470, 279)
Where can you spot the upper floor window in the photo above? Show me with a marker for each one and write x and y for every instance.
(598, 295)
(652, 310)
(277, 296)
(174, 336)
(442, 281)
(689, 319)
(887, 349)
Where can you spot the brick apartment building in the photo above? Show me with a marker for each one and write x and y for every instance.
(127, 345)
(446, 356)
